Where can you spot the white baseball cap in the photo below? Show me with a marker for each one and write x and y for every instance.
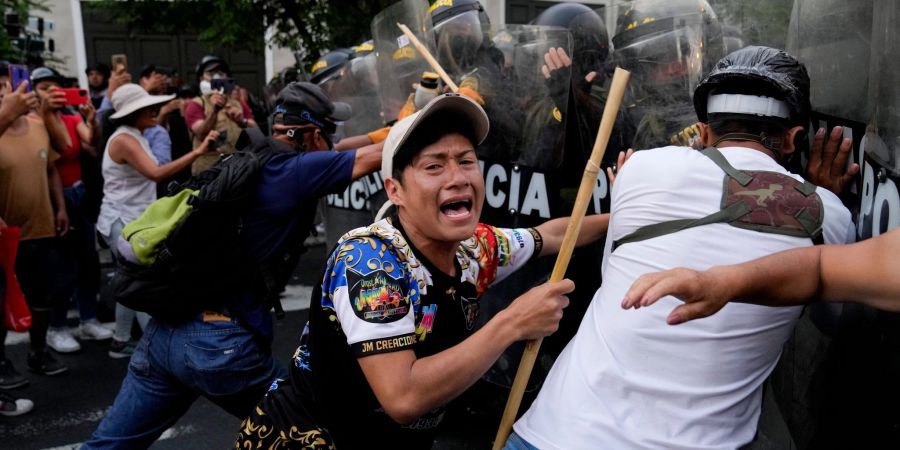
(131, 97)
(464, 107)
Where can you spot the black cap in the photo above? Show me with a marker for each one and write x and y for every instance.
(301, 102)
(148, 70)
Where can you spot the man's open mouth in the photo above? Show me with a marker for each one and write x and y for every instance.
(458, 207)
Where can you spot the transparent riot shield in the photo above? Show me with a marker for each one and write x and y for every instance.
(522, 158)
(398, 64)
(667, 59)
(356, 206)
(879, 208)
(500, 67)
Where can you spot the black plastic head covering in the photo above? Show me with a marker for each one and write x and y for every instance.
(329, 65)
(209, 62)
(590, 41)
(757, 70)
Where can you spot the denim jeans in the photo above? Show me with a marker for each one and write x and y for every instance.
(515, 442)
(172, 366)
(79, 259)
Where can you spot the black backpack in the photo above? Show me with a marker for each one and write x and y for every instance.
(200, 261)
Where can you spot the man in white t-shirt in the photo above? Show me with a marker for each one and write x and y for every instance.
(629, 380)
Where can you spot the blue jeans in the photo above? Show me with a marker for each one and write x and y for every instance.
(515, 442)
(172, 366)
(78, 256)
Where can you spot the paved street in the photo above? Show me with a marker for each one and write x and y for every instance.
(69, 407)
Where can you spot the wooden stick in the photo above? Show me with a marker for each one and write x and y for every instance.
(427, 55)
(588, 181)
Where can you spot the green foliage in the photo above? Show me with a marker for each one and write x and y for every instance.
(23, 8)
(309, 27)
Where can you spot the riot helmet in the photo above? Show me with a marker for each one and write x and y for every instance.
(329, 65)
(212, 63)
(758, 81)
(459, 32)
(590, 41)
(363, 49)
(668, 44)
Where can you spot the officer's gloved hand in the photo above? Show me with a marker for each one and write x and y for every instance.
(469, 87)
(378, 135)
(408, 108)
(557, 79)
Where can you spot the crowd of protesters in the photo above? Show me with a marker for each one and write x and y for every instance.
(97, 164)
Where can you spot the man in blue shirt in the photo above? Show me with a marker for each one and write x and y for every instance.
(224, 355)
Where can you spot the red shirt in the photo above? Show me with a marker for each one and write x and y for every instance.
(68, 164)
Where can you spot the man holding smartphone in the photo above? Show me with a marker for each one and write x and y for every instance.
(79, 263)
(216, 109)
(31, 197)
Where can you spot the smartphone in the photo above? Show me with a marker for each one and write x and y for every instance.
(223, 85)
(75, 96)
(220, 140)
(19, 73)
(119, 59)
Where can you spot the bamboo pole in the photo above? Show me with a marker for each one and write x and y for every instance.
(427, 55)
(588, 181)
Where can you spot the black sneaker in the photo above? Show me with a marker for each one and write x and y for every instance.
(10, 378)
(45, 364)
(119, 349)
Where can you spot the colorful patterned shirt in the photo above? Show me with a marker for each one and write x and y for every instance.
(378, 295)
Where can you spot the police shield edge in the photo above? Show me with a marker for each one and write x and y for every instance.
(522, 158)
(398, 64)
(356, 84)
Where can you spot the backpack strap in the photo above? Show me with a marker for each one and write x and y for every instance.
(726, 215)
(730, 214)
(717, 157)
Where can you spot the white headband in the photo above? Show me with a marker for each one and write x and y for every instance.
(747, 104)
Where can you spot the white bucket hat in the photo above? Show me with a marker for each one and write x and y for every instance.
(131, 97)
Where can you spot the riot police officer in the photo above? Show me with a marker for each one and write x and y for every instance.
(667, 45)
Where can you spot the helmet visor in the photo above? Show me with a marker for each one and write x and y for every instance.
(458, 40)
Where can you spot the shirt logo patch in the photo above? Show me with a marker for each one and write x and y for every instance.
(470, 308)
(428, 313)
(377, 297)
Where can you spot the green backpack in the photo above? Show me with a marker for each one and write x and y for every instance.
(147, 234)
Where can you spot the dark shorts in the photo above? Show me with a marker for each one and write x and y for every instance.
(260, 431)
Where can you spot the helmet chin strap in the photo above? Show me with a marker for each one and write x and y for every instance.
(772, 144)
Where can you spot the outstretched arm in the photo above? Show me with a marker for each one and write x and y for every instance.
(865, 272)
(408, 387)
(553, 231)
